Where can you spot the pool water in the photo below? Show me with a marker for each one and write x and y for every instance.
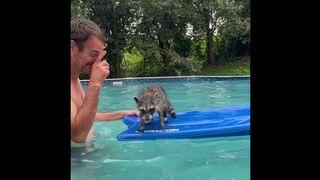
(204, 158)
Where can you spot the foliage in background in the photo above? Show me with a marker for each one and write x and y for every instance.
(169, 37)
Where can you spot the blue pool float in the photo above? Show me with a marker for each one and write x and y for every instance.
(229, 121)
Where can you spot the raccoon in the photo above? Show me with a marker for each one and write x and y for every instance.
(150, 99)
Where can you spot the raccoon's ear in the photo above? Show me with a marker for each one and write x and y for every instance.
(136, 99)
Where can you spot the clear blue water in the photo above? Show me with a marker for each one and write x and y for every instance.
(205, 158)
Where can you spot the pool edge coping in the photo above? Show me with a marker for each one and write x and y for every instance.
(168, 77)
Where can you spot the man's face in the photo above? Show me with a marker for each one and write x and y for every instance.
(93, 49)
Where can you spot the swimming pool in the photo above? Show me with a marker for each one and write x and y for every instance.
(204, 158)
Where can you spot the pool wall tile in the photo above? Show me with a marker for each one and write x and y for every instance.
(146, 80)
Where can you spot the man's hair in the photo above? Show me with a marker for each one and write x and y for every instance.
(83, 29)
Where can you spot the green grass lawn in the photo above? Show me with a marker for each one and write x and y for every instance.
(237, 67)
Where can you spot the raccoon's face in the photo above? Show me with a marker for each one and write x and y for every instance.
(146, 108)
(146, 113)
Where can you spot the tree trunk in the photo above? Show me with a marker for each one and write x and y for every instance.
(164, 52)
(210, 57)
(116, 57)
(118, 65)
(207, 16)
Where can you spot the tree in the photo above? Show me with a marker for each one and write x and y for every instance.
(169, 32)
(115, 17)
(234, 35)
(79, 8)
(210, 15)
(162, 23)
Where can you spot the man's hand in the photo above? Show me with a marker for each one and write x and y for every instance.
(132, 113)
(108, 116)
(99, 71)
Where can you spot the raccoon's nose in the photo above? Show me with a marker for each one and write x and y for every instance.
(148, 119)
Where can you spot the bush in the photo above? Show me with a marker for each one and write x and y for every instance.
(184, 65)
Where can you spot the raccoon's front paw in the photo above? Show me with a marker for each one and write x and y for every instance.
(141, 129)
(173, 114)
(162, 126)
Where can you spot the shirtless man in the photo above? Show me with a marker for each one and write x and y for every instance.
(87, 50)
